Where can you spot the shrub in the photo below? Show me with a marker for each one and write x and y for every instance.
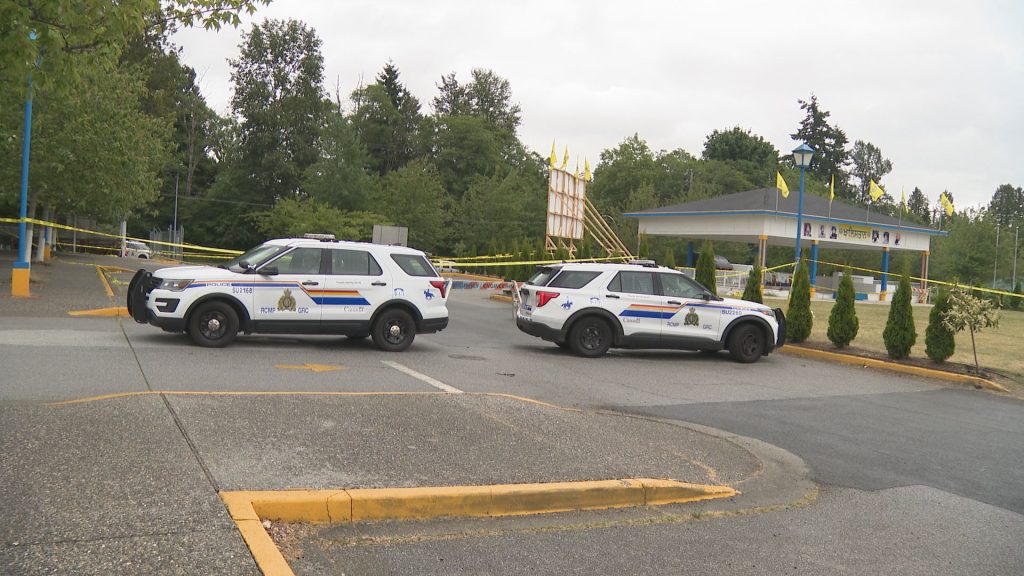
(899, 334)
(939, 341)
(706, 267)
(842, 321)
(752, 292)
(798, 318)
(1015, 302)
(967, 312)
(670, 258)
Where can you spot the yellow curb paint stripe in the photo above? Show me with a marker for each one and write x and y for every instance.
(106, 285)
(891, 366)
(263, 549)
(107, 312)
(501, 298)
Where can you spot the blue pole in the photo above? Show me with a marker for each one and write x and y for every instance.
(814, 262)
(799, 218)
(26, 147)
(689, 255)
(885, 269)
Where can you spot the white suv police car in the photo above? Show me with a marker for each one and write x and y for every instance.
(590, 308)
(310, 285)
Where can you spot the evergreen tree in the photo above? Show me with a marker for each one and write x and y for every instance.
(706, 267)
(829, 144)
(939, 341)
(752, 292)
(670, 258)
(1017, 302)
(899, 333)
(798, 318)
(842, 321)
(644, 252)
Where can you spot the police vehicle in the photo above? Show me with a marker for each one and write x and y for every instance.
(590, 308)
(311, 285)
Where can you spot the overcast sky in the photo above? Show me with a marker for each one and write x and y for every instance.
(936, 85)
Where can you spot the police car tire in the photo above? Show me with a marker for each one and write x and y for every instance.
(394, 330)
(564, 345)
(590, 337)
(226, 318)
(746, 343)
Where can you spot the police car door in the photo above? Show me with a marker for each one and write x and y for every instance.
(283, 298)
(633, 298)
(696, 320)
(356, 286)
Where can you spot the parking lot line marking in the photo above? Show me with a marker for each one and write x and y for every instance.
(423, 377)
(312, 367)
(103, 278)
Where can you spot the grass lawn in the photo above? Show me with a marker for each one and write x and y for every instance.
(1000, 349)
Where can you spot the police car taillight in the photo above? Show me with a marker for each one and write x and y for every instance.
(441, 285)
(545, 297)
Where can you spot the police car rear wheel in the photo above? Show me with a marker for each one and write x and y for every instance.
(746, 343)
(213, 325)
(590, 337)
(394, 330)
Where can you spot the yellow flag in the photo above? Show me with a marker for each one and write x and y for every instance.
(554, 157)
(946, 204)
(565, 159)
(576, 172)
(586, 170)
(832, 189)
(875, 191)
(781, 185)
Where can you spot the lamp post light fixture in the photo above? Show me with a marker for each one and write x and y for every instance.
(802, 157)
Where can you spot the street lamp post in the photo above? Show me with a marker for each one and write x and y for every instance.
(995, 260)
(802, 157)
(1013, 283)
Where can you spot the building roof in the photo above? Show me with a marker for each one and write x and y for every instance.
(762, 201)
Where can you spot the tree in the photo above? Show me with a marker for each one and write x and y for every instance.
(917, 205)
(752, 291)
(705, 272)
(968, 312)
(868, 165)
(799, 319)
(465, 148)
(843, 324)
(387, 118)
(1017, 302)
(279, 96)
(1007, 205)
(338, 178)
(669, 260)
(829, 144)
(939, 341)
(899, 333)
(73, 36)
(293, 217)
(412, 196)
(501, 207)
(487, 96)
(738, 144)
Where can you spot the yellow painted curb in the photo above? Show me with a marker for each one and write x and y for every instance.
(890, 366)
(501, 298)
(114, 311)
(249, 508)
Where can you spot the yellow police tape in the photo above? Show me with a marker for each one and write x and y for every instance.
(928, 280)
(106, 235)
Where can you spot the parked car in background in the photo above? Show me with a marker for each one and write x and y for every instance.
(135, 249)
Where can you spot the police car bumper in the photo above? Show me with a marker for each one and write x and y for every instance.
(431, 325)
(540, 330)
(165, 323)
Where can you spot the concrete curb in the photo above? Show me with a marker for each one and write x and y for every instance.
(501, 298)
(108, 312)
(248, 509)
(891, 366)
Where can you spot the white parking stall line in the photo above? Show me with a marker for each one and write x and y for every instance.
(420, 376)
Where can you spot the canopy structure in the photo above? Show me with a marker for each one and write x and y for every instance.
(764, 217)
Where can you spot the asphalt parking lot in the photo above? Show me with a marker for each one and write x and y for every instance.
(117, 438)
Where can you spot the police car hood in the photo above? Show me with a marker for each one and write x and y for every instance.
(192, 273)
(745, 305)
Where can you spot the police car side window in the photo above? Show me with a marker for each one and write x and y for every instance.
(633, 283)
(679, 286)
(354, 263)
(299, 261)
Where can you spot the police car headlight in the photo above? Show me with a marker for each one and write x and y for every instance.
(174, 285)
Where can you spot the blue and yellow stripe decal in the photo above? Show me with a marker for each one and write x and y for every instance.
(650, 311)
(321, 297)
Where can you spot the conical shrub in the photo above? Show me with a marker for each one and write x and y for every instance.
(752, 292)
(842, 321)
(939, 341)
(899, 334)
(798, 318)
(706, 267)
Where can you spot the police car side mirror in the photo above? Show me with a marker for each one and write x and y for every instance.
(269, 271)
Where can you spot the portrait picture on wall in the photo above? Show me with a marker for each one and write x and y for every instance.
(835, 233)
(807, 228)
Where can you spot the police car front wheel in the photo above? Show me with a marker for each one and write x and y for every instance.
(213, 324)
(746, 343)
(394, 330)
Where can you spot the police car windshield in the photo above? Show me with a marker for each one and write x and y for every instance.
(253, 257)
